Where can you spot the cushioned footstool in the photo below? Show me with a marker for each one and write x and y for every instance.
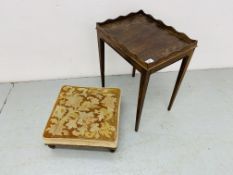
(84, 117)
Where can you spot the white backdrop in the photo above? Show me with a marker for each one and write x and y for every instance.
(48, 39)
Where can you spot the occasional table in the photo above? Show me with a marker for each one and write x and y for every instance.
(148, 45)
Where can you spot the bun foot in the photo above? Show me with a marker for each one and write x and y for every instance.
(112, 150)
(52, 146)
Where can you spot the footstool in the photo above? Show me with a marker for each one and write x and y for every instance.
(84, 116)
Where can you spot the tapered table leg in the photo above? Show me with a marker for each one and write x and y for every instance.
(133, 72)
(101, 58)
(145, 76)
(183, 68)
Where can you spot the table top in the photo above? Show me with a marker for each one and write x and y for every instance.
(147, 40)
(84, 116)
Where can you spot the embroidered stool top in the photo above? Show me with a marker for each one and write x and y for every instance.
(84, 117)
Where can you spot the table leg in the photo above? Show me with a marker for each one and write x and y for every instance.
(145, 76)
(133, 72)
(183, 68)
(101, 59)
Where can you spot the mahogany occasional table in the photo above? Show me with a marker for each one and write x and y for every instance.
(148, 45)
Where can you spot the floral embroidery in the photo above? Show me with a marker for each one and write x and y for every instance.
(74, 101)
(88, 113)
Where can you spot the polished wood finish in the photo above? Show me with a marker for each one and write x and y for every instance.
(148, 45)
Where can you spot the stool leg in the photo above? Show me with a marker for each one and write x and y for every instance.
(183, 68)
(101, 59)
(52, 146)
(133, 72)
(145, 76)
(112, 150)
